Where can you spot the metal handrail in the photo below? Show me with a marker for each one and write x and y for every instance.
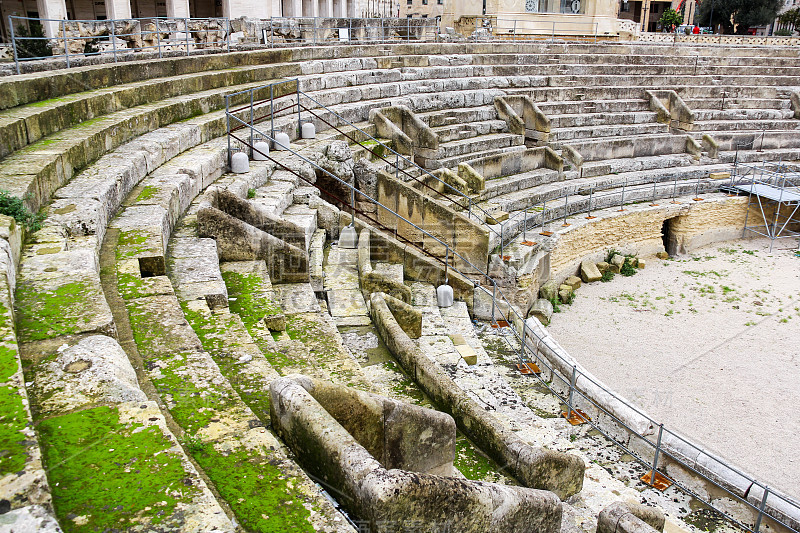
(160, 22)
(511, 316)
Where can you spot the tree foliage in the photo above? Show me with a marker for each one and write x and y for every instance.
(791, 17)
(670, 17)
(737, 14)
(31, 43)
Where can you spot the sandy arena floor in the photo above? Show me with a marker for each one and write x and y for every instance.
(709, 344)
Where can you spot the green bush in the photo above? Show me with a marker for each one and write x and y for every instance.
(783, 32)
(33, 47)
(670, 18)
(14, 207)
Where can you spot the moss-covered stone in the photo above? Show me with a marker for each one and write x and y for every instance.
(109, 475)
(51, 307)
(13, 420)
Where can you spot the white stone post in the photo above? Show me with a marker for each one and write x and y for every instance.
(118, 9)
(52, 9)
(178, 8)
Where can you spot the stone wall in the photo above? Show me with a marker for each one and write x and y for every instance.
(639, 231)
(452, 229)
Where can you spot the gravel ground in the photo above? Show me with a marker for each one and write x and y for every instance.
(707, 343)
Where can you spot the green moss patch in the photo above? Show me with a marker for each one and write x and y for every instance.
(260, 494)
(107, 476)
(147, 193)
(13, 420)
(46, 314)
(250, 303)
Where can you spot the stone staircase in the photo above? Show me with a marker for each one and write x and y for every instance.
(135, 358)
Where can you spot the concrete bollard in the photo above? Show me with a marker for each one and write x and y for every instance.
(240, 163)
(260, 151)
(444, 295)
(282, 141)
(348, 238)
(308, 131)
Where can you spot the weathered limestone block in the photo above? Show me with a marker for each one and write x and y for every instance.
(543, 310)
(390, 480)
(549, 290)
(471, 177)
(506, 112)
(590, 272)
(574, 282)
(640, 263)
(95, 371)
(625, 517)
(409, 318)
(565, 293)
(239, 241)
(617, 261)
(377, 282)
(31, 518)
(255, 215)
(662, 255)
(602, 266)
(195, 269)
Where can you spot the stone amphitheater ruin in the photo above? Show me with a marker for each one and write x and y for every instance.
(295, 346)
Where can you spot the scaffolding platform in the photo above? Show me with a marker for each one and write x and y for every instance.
(775, 189)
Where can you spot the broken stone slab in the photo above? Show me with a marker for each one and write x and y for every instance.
(409, 318)
(574, 282)
(468, 354)
(394, 479)
(542, 310)
(239, 241)
(602, 266)
(255, 215)
(618, 260)
(535, 467)
(549, 291)
(641, 263)
(662, 255)
(590, 272)
(626, 517)
(565, 293)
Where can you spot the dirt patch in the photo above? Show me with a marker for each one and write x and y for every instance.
(706, 343)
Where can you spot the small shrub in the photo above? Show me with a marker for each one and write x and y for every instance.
(627, 269)
(36, 46)
(14, 207)
(783, 32)
(251, 193)
(611, 253)
(556, 308)
(607, 276)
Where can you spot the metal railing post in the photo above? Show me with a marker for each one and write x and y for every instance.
(591, 193)
(13, 43)
(299, 122)
(761, 509)
(315, 31)
(272, 111)
(446, 262)
(353, 207)
(252, 153)
(494, 297)
(228, 34)
(158, 36)
(570, 410)
(655, 455)
(114, 40)
(553, 36)
(186, 29)
(64, 36)
(566, 201)
(228, 127)
(622, 198)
